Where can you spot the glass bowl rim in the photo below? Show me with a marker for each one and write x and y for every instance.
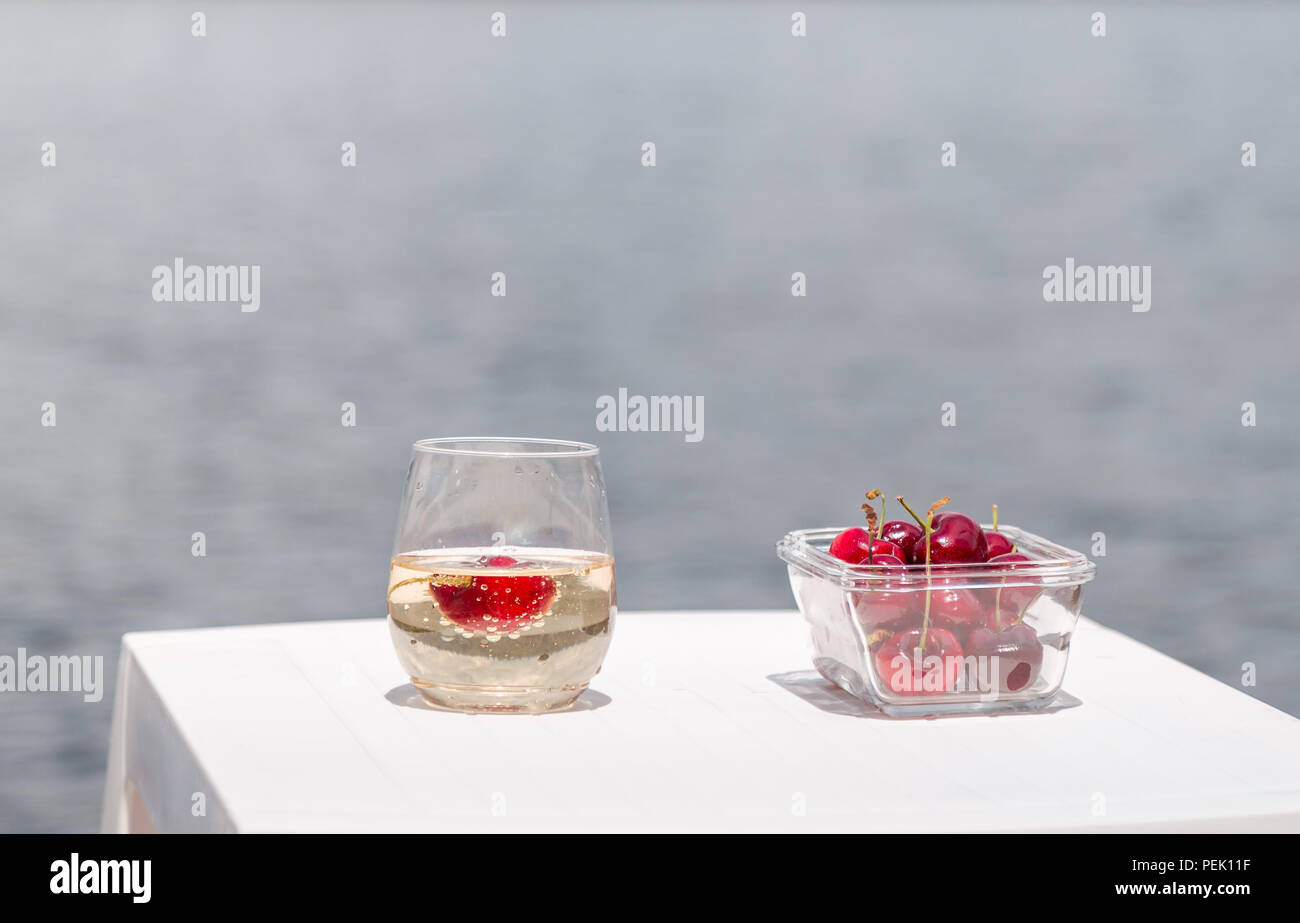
(529, 447)
(1065, 565)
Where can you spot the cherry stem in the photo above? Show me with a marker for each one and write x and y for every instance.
(997, 599)
(925, 619)
(872, 524)
(920, 522)
(929, 527)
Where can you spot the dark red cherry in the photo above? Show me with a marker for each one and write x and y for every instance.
(1019, 656)
(902, 534)
(882, 548)
(903, 671)
(998, 544)
(954, 539)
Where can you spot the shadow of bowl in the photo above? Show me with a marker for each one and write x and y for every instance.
(407, 696)
(820, 692)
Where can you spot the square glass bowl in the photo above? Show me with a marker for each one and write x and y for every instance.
(995, 640)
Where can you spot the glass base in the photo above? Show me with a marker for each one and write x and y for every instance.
(517, 700)
(924, 709)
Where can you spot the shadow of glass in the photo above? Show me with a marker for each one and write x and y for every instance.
(407, 696)
(820, 692)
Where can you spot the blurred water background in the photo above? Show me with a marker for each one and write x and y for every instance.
(523, 155)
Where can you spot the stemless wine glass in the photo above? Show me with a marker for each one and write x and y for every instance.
(501, 594)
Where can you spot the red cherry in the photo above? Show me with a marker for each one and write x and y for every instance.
(887, 560)
(952, 607)
(1006, 605)
(881, 547)
(1019, 656)
(998, 544)
(883, 604)
(903, 534)
(493, 603)
(851, 547)
(999, 616)
(954, 539)
(890, 609)
(936, 671)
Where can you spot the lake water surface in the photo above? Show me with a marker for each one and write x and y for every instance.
(522, 155)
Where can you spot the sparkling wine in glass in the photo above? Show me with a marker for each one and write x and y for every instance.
(501, 591)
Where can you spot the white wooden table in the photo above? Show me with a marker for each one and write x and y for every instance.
(698, 721)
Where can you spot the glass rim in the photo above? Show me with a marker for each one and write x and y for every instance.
(526, 447)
